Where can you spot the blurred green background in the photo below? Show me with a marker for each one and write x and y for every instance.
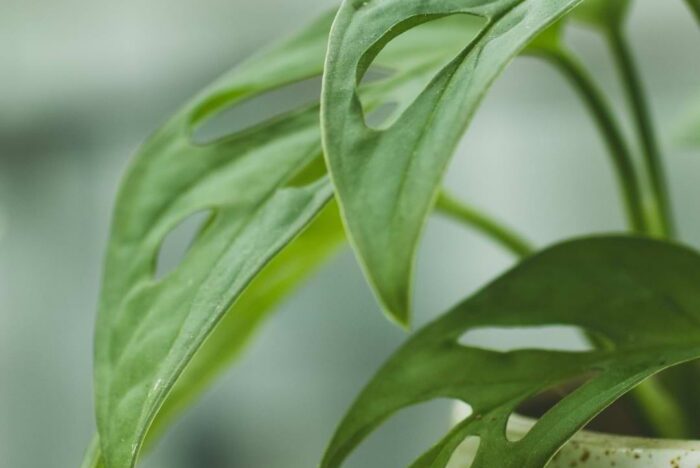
(83, 83)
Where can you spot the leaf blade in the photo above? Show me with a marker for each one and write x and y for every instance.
(399, 168)
(169, 180)
(639, 294)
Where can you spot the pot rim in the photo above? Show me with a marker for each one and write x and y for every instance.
(520, 425)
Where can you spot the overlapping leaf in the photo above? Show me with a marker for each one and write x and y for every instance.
(688, 133)
(386, 180)
(159, 341)
(639, 296)
(148, 329)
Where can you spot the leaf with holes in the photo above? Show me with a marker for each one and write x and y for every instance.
(386, 180)
(602, 13)
(159, 340)
(260, 197)
(639, 296)
(314, 245)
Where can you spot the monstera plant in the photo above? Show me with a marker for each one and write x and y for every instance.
(280, 198)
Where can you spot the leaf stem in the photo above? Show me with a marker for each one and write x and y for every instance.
(656, 405)
(694, 6)
(620, 154)
(641, 114)
(450, 206)
(661, 409)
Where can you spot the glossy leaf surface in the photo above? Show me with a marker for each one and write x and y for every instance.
(159, 342)
(149, 329)
(638, 296)
(386, 180)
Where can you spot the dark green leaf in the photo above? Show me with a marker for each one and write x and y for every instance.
(386, 180)
(639, 296)
(316, 243)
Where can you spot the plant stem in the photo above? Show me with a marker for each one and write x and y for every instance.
(645, 129)
(661, 410)
(619, 153)
(694, 6)
(455, 209)
(656, 405)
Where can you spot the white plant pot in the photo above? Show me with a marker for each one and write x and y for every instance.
(598, 450)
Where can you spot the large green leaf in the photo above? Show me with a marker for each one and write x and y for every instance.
(148, 328)
(386, 180)
(280, 276)
(639, 296)
(158, 342)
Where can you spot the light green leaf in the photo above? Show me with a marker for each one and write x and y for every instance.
(386, 180)
(158, 342)
(639, 296)
(149, 329)
(300, 258)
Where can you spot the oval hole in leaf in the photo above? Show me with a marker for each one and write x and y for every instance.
(178, 242)
(465, 453)
(257, 110)
(378, 116)
(409, 50)
(376, 73)
(505, 339)
(410, 433)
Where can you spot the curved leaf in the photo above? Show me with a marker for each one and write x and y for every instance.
(301, 257)
(148, 329)
(386, 180)
(639, 295)
(158, 342)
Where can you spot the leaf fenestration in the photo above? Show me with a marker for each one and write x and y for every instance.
(149, 329)
(387, 180)
(640, 295)
(159, 341)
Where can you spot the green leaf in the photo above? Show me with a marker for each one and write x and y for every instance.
(158, 342)
(149, 329)
(386, 180)
(638, 295)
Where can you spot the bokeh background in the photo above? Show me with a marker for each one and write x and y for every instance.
(83, 83)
